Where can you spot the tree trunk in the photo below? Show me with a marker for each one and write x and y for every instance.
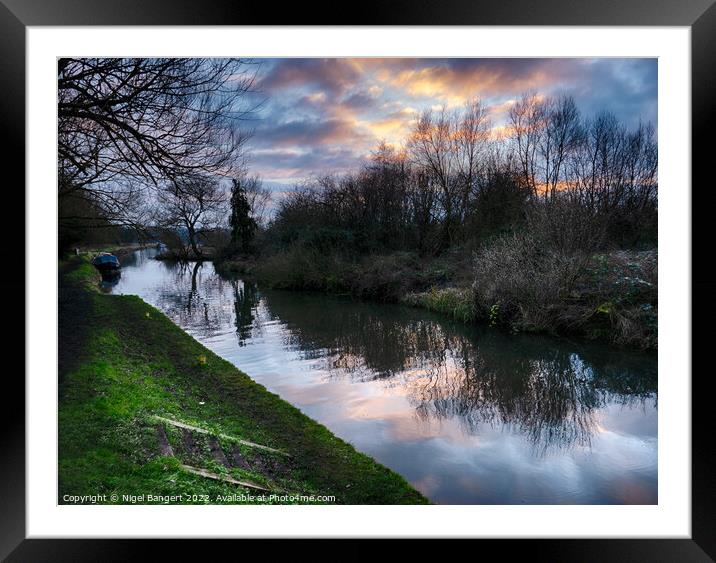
(192, 242)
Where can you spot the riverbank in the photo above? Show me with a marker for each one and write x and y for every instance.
(609, 297)
(119, 250)
(207, 253)
(144, 409)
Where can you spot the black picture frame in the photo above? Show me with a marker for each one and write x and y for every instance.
(699, 15)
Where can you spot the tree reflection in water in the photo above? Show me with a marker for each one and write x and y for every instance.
(246, 299)
(546, 389)
(194, 296)
(550, 390)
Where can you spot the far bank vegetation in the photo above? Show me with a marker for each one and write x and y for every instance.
(547, 223)
(550, 225)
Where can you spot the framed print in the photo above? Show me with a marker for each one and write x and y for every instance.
(406, 276)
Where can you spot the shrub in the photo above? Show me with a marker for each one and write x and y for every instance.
(454, 302)
(300, 267)
(624, 286)
(523, 283)
(520, 282)
(385, 277)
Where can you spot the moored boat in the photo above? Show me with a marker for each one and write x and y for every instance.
(106, 262)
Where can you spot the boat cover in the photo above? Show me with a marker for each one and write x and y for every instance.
(105, 259)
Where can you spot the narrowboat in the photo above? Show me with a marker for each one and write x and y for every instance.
(106, 263)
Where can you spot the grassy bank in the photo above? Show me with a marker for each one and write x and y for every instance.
(119, 250)
(512, 284)
(123, 364)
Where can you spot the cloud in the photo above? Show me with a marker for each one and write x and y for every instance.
(362, 100)
(302, 133)
(393, 127)
(291, 166)
(325, 115)
(455, 80)
(316, 98)
(333, 76)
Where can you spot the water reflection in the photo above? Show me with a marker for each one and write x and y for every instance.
(246, 299)
(109, 280)
(528, 384)
(453, 408)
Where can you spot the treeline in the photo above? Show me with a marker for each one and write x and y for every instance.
(524, 221)
(548, 223)
(590, 182)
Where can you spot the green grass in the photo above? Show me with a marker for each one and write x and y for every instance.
(132, 363)
(108, 247)
(80, 273)
(457, 303)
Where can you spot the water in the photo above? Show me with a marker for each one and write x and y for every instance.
(467, 415)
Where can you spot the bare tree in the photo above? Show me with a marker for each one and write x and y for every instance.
(527, 121)
(558, 139)
(642, 164)
(259, 198)
(422, 204)
(448, 146)
(431, 148)
(471, 139)
(126, 124)
(193, 204)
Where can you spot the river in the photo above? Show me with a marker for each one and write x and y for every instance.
(468, 415)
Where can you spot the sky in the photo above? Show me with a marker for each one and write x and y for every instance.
(323, 116)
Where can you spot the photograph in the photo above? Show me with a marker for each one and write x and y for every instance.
(357, 281)
(427, 272)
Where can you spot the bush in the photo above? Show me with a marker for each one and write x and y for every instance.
(524, 283)
(454, 302)
(386, 277)
(622, 290)
(381, 277)
(301, 267)
(520, 282)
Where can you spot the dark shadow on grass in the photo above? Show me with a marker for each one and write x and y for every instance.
(73, 308)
